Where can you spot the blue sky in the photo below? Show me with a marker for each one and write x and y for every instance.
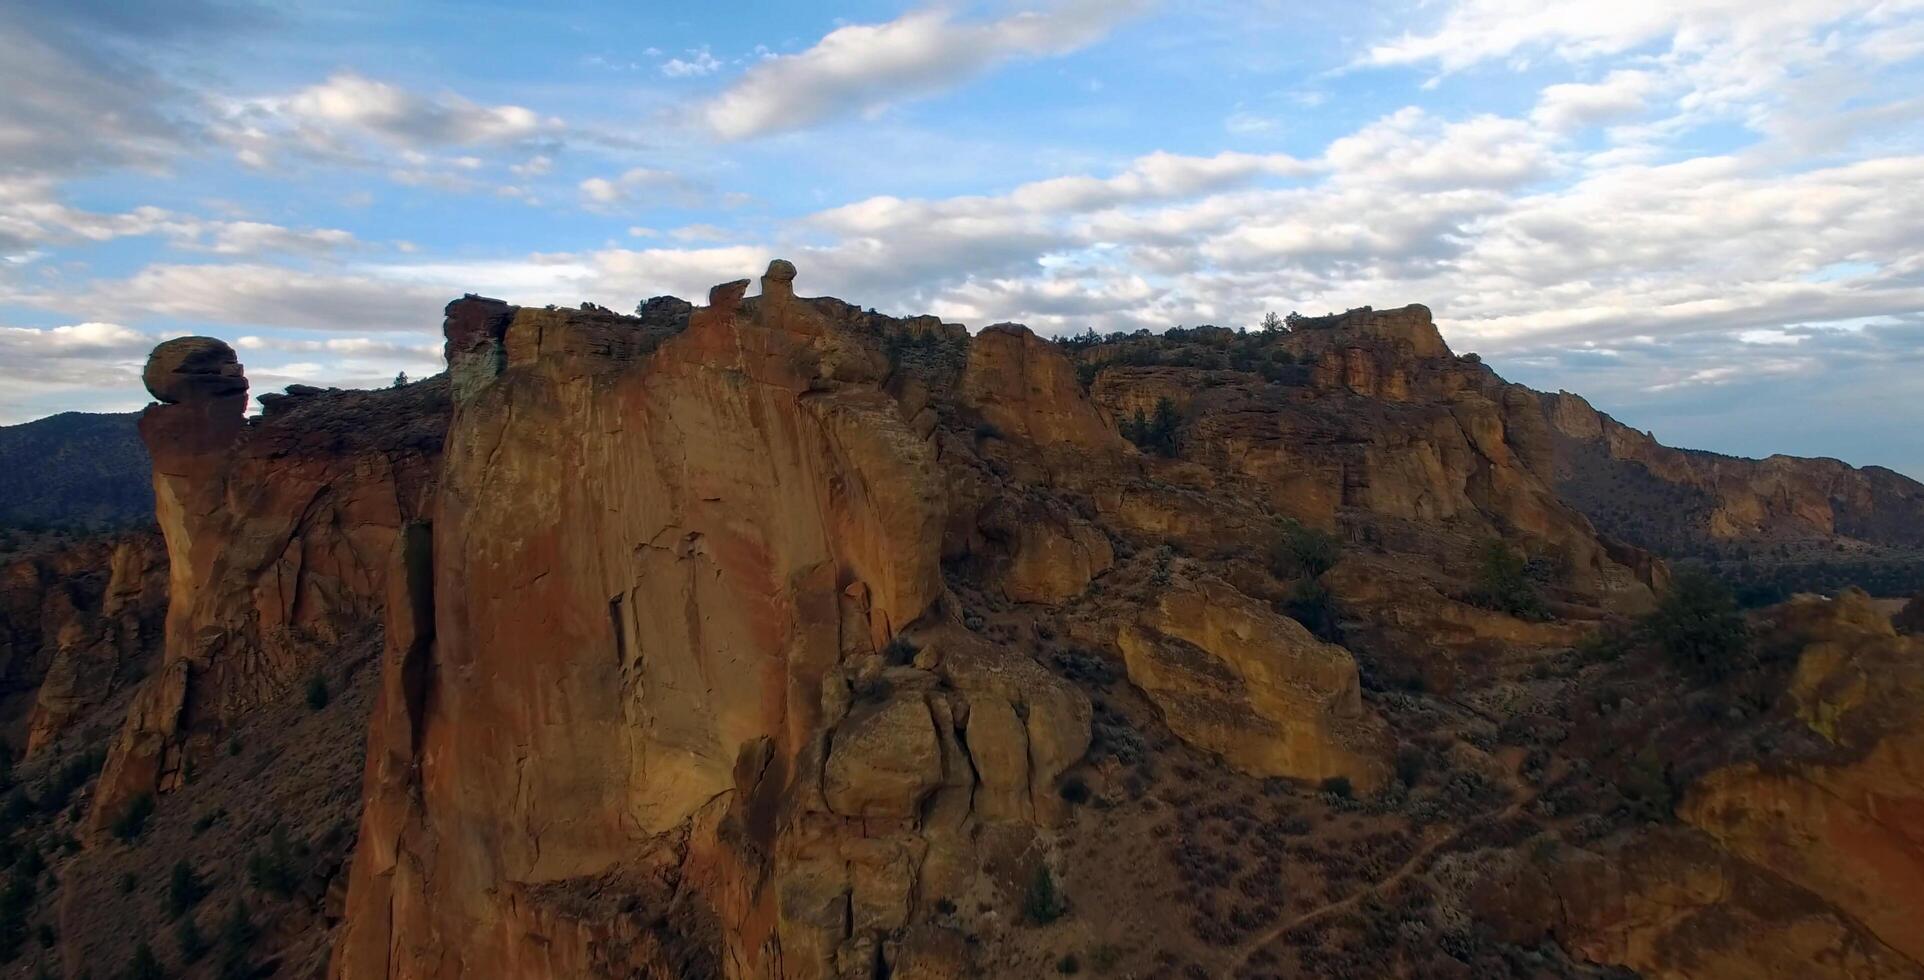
(1705, 215)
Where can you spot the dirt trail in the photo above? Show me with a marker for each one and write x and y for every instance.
(1415, 864)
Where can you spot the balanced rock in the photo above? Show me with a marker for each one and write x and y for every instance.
(192, 369)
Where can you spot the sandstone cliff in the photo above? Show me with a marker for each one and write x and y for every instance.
(779, 638)
(77, 625)
(1784, 523)
(277, 532)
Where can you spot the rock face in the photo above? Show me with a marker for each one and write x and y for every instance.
(77, 625)
(663, 566)
(776, 638)
(1846, 823)
(1680, 499)
(1672, 905)
(1237, 679)
(276, 531)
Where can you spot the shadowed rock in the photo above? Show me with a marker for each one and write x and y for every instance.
(192, 369)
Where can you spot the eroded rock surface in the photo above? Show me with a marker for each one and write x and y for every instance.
(1238, 679)
(277, 531)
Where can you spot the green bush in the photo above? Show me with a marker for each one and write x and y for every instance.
(184, 889)
(317, 696)
(1699, 627)
(1158, 434)
(1312, 604)
(192, 944)
(1303, 552)
(1503, 584)
(273, 870)
(144, 965)
(237, 935)
(1043, 903)
(1410, 763)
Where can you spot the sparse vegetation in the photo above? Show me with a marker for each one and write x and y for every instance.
(184, 889)
(1699, 628)
(1042, 904)
(1159, 433)
(1303, 552)
(144, 965)
(273, 870)
(317, 693)
(1504, 584)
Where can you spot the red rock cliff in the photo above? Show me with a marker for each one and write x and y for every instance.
(277, 532)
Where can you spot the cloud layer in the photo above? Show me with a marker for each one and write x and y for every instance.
(1673, 207)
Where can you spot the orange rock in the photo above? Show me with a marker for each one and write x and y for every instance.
(1234, 678)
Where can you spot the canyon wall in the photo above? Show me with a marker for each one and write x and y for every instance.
(778, 638)
(277, 531)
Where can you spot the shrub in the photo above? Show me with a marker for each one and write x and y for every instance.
(237, 936)
(1043, 903)
(899, 652)
(192, 944)
(1339, 787)
(1068, 964)
(1157, 434)
(1303, 552)
(1699, 627)
(273, 870)
(144, 965)
(131, 822)
(1503, 583)
(317, 696)
(1410, 763)
(184, 889)
(1313, 605)
(1075, 790)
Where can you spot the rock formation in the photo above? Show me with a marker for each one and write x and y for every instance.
(276, 530)
(665, 575)
(777, 638)
(77, 624)
(1254, 686)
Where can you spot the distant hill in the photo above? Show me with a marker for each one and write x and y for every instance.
(75, 469)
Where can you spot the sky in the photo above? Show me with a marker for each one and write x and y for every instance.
(1707, 216)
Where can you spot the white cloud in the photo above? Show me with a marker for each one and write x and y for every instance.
(699, 62)
(256, 295)
(1475, 31)
(1572, 105)
(95, 366)
(863, 68)
(639, 186)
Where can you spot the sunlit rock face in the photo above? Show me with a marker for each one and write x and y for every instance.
(665, 563)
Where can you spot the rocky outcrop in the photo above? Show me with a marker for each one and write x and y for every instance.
(1688, 497)
(77, 624)
(1234, 678)
(671, 572)
(1670, 904)
(1023, 387)
(780, 638)
(276, 532)
(1846, 823)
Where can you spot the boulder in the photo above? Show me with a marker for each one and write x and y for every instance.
(1232, 677)
(193, 369)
